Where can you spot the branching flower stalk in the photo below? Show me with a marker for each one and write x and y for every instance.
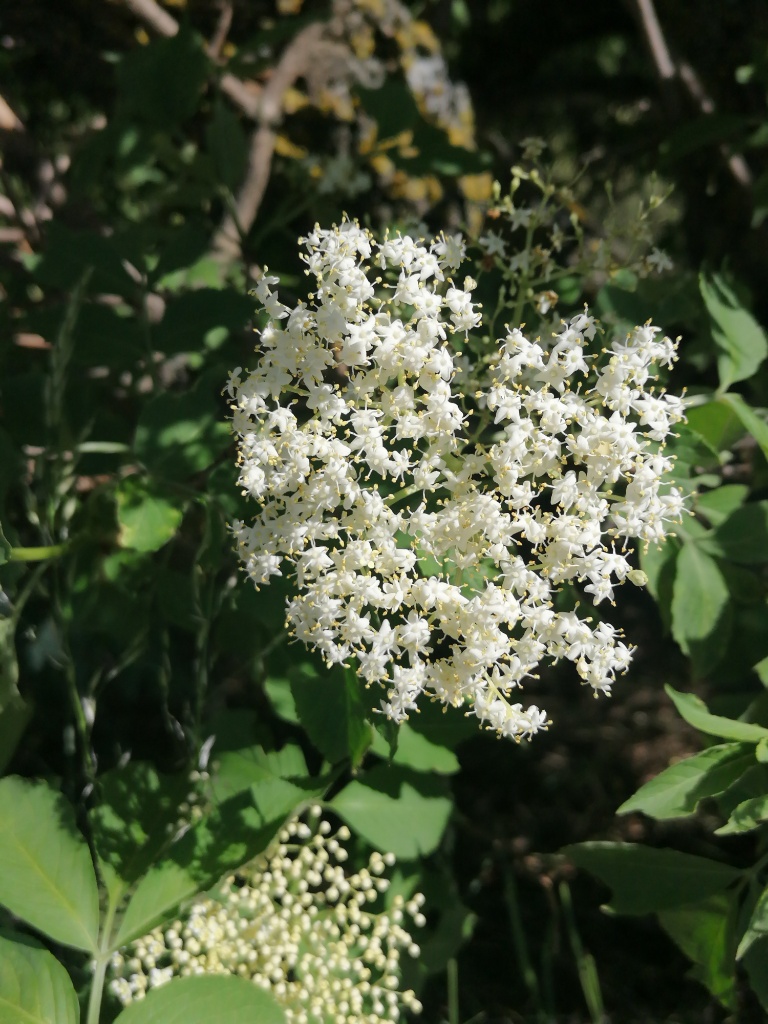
(423, 545)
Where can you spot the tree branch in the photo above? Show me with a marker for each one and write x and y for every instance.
(264, 106)
(672, 74)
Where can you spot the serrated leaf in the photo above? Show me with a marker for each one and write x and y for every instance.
(695, 712)
(645, 880)
(677, 791)
(147, 515)
(46, 873)
(740, 339)
(396, 810)
(34, 987)
(205, 999)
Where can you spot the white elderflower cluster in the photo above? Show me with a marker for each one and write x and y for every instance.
(297, 925)
(429, 507)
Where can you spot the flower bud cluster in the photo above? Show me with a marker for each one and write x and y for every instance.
(298, 926)
(429, 507)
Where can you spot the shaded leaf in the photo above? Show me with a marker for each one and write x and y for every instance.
(159, 84)
(222, 841)
(718, 504)
(147, 514)
(703, 933)
(752, 423)
(701, 610)
(743, 535)
(134, 820)
(758, 925)
(740, 339)
(645, 880)
(331, 707)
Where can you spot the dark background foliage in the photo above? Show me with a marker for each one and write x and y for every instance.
(126, 629)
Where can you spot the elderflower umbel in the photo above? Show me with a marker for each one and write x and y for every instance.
(297, 925)
(429, 508)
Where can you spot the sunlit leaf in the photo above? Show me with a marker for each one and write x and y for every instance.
(677, 790)
(396, 810)
(34, 987)
(46, 873)
(211, 999)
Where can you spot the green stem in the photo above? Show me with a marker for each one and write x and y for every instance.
(453, 991)
(39, 554)
(101, 962)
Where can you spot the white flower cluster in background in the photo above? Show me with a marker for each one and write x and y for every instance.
(296, 925)
(428, 506)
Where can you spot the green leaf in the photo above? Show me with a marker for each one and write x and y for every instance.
(239, 769)
(134, 820)
(278, 690)
(757, 927)
(695, 712)
(332, 708)
(414, 750)
(34, 987)
(147, 515)
(205, 999)
(740, 339)
(15, 713)
(191, 318)
(227, 144)
(658, 562)
(159, 84)
(222, 841)
(743, 536)
(701, 608)
(745, 817)
(178, 435)
(751, 422)
(645, 880)
(396, 810)
(5, 547)
(46, 873)
(703, 933)
(755, 962)
(719, 503)
(677, 790)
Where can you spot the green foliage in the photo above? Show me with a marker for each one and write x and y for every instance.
(396, 809)
(46, 874)
(34, 987)
(130, 657)
(205, 1000)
